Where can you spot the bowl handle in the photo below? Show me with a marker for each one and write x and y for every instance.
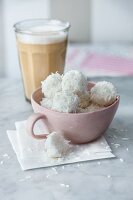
(30, 125)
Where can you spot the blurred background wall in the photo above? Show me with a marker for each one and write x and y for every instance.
(92, 21)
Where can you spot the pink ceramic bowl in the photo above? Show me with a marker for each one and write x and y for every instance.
(76, 127)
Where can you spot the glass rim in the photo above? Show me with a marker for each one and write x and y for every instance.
(18, 29)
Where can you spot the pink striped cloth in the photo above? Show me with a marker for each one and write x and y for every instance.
(97, 64)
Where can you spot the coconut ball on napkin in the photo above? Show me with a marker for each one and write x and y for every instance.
(56, 145)
(74, 81)
(51, 85)
(65, 101)
(103, 93)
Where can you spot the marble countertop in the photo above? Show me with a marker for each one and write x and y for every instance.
(110, 179)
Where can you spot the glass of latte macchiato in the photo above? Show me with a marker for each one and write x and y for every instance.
(42, 47)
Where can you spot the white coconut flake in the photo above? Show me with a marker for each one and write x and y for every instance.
(55, 170)
(108, 176)
(125, 138)
(117, 145)
(62, 185)
(121, 160)
(47, 176)
(99, 163)
(115, 136)
(1, 162)
(67, 186)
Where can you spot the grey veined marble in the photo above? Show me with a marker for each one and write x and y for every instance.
(110, 179)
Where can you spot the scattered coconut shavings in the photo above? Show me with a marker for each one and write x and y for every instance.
(108, 176)
(1, 162)
(47, 176)
(127, 149)
(55, 170)
(115, 129)
(107, 147)
(115, 136)
(99, 163)
(25, 179)
(78, 165)
(64, 185)
(123, 130)
(125, 138)
(5, 155)
(117, 145)
(67, 186)
(121, 160)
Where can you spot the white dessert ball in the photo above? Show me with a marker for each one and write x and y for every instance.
(65, 101)
(103, 93)
(47, 103)
(51, 85)
(56, 145)
(91, 108)
(84, 100)
(74, 81)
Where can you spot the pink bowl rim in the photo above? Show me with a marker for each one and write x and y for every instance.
(76, 114)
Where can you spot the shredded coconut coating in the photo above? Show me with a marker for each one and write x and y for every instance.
(103, 93)
(74, 81)
(65, 101)
(56, 145)
(51, 85)
(91, 108)
(47, 103)
(84, 100)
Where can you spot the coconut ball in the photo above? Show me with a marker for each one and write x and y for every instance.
(51, 85)
(65, 101)
(56, 145)
(84, 100)
(47, 103)
(91, 108)
(103, 93)
(74, 81)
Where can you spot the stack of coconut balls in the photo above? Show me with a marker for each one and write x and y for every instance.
(69, 93)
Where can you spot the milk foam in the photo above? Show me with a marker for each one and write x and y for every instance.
(43, 35)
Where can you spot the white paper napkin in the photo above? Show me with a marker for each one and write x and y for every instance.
(31, 152)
